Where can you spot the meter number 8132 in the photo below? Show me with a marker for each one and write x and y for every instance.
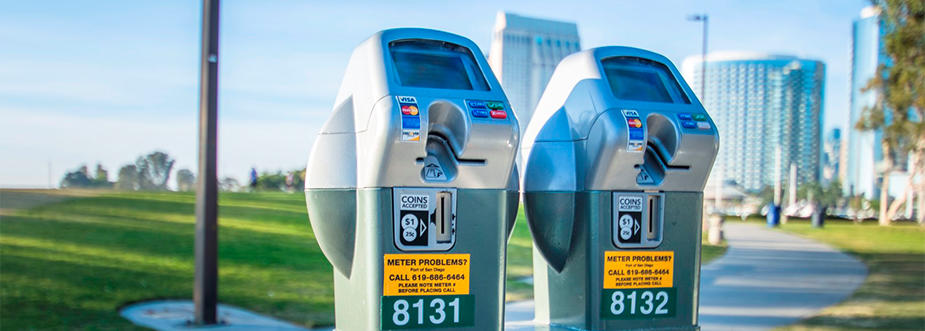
(638, 303)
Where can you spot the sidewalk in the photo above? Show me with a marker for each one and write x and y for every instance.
(766, 279)
(769, 279)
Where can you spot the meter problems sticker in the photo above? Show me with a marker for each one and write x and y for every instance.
(425, 274)
(410, 118)
(649, 269)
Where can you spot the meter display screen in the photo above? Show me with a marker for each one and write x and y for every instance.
(436, 64)
(639, 79)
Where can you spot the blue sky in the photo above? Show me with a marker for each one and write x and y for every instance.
(105, 81)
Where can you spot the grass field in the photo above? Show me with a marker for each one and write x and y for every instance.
(893, 295)
(74, 262)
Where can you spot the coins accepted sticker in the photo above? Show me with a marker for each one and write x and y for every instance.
(638, 269)
(425, 274)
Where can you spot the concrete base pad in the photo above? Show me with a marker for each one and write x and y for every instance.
(166, 315)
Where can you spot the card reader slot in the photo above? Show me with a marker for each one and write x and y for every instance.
(437, 136)
(659, 154)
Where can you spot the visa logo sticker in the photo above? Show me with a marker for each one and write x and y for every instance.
(630, 113)
(402, 99)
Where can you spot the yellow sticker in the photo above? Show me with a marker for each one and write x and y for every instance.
(638, 269)
(425, 274)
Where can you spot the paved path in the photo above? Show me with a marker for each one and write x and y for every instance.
(766, 279)
(769, 278)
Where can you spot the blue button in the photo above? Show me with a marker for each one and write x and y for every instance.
(689, 124)
(685, 116)
(480, 113)
(637, 134)
(476, 103)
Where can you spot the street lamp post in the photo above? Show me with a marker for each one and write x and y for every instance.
(703, 55)
(205, 283)
(716, 218)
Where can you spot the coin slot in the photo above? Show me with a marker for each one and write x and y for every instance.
(652, 230)
(444, 215)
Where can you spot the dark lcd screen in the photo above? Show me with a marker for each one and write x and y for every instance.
(435, 64)
(639, 79)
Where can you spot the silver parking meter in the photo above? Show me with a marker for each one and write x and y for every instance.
(411, 186)
(617, 156)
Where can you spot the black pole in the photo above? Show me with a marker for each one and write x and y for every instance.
(205, 287)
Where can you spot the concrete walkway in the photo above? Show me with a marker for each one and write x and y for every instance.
(766, 279)
(769, 279)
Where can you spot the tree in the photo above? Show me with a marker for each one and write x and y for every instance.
(228, 184)
(271, 181)
(128, 178)
(102, 177)
(900, 105)
(81, 178)
(77, 178)
(186, 181)
(154, 170)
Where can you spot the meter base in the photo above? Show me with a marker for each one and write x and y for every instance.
(574, 296)
(483, 220)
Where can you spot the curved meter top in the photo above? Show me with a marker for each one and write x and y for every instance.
(625, 119)
(417, 107)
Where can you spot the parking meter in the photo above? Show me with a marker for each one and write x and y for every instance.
(617, 156)
(411, 186)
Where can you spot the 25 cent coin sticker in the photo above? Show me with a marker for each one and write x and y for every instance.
(638, 269)
(425, 274)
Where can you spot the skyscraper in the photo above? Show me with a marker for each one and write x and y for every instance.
(760, 102)
(864, 150)
(524, 53)
(831, 157)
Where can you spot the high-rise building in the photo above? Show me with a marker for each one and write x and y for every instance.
(864, 152)
(759, 103)
(831, 157)
(524, 53)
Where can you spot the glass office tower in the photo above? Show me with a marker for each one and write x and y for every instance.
(760, 102)
(864, 151)
(524, 53)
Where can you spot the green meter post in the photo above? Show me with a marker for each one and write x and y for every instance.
(616, 158)
(411, 186)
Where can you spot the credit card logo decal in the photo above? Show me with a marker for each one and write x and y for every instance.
(410, 118)
(636, 135)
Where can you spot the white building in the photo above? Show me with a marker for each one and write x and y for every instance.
(761, 102)
(865, 154)
(524, 53)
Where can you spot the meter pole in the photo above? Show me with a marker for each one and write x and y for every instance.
(205, 285)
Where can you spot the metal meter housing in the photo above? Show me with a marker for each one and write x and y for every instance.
(616, 158)
(414, 168)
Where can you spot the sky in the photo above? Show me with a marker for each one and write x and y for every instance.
(87, 82)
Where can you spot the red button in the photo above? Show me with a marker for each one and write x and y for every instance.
(499, 114)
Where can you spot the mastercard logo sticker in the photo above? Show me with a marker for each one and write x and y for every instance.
(409, 110)
(634, 123)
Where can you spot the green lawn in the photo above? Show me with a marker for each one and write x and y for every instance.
(74, 263)
(893, 295)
